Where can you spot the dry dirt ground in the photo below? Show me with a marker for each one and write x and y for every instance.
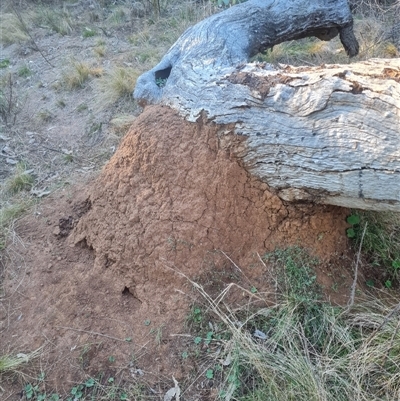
(99, 270)
(95, 274)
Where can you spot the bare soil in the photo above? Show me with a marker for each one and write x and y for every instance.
(95, 273)
(99, 274)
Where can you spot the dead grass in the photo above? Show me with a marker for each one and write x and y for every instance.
(12, 363)
(115, 84)
(300, 347)
(119, 15)
(55, 19)
(14, 200)
(121, 123)
(11, 30)
(248, 368)
(78, 74)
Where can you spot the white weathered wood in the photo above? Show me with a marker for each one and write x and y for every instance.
(328, 134)
(325, 134)
(240, 32)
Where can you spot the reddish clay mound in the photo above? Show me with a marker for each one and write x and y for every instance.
(173, 195)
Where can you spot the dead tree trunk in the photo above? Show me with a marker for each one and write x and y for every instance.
(326, 134)
(240, 32)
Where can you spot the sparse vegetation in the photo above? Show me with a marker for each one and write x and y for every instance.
(4, 63)
(11, 29)
(79, 74)
(119, 15)
(57, 20)
(22, 180)
(45, 115)
(303, 348)
(100, 388)
(380, 242)
(13, 201)
(100, 50)
(89, 32)
(117, 83)
(10, 102)
(24, 71)
(297, 346)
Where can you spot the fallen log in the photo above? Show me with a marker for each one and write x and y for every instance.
(240, 32)
(328, 134)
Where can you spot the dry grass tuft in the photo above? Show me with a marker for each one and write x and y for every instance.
(11, 363)
(301, 348)
(119, 15)
(121, 123)
(99, 51)
(59, 21)
(390, 50)
(11, 30)
(115, 84)
(22, 180)
(14, 200)
(79, 74)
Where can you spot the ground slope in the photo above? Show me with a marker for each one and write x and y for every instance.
(99, 263)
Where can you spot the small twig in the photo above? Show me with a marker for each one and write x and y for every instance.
(237, 267)
(92, 332)
(273, 278)
(20, 19)
(354, 285)
(181, 335)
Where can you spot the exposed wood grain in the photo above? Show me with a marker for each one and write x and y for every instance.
(328, 134)
(240, 32)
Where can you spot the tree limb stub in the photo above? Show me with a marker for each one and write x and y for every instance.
(233, 36)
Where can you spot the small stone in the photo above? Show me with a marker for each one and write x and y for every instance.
(57, 231)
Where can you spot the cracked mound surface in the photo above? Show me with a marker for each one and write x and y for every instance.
(172, 198)
(175, 195)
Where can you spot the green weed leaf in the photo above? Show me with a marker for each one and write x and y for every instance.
(28, 391)
(4, 63)
(353, 219)
(90, 382)
(370, 283)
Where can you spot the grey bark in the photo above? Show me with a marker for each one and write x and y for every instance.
(328, 134)
(233, 36)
